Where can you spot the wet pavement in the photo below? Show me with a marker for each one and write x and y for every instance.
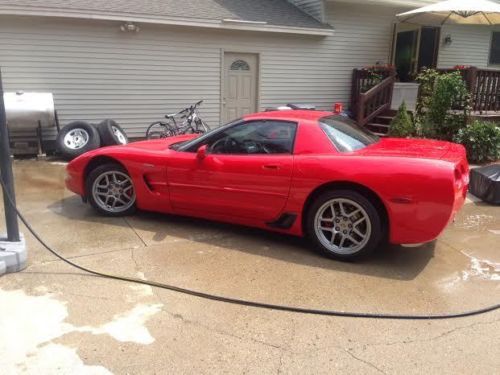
(55, 319)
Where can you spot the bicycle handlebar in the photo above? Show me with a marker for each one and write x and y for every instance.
(189, 109)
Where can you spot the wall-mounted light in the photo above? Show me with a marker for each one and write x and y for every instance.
(130, 27)
(448, 40)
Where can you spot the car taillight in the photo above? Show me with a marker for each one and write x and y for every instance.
(458, 178)
(465, 175)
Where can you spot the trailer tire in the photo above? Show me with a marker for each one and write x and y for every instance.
(111, 133)
(77, 138)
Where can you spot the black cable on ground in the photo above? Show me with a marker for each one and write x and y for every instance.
(241, 302)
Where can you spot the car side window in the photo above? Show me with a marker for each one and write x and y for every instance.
(255, 137)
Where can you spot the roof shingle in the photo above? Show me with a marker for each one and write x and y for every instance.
(274, 12)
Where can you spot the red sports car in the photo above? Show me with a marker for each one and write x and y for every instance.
(298, 172)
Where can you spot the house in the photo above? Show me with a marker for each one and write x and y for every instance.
(135, 60)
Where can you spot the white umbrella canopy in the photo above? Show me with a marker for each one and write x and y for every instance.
(465, 12)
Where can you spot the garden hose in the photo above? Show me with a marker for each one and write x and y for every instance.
(242, 302)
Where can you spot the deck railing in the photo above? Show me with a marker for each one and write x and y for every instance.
(484, 88)
(371, 93)
(365, 79)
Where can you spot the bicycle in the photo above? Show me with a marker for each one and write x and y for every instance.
(192, 124)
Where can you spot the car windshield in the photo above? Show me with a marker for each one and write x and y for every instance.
(345, 134)
(192, 144)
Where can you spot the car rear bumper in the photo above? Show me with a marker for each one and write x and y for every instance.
(420, 222)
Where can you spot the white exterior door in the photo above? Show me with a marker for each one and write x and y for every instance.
(240, 85)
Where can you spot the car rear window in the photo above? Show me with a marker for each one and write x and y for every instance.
(345, 134)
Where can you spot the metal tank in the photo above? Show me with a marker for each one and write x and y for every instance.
(29, 110)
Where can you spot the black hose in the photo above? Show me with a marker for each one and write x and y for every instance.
(241, 302)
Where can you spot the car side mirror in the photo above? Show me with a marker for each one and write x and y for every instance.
(202, 152)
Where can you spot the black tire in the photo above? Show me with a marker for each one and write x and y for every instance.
(367, 245)
(89, 184)
(111, 133)
(77, 138)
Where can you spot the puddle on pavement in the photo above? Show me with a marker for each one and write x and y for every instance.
(35, 350)
(475, 221)
(481, 269)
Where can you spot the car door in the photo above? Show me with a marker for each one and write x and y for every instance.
(245, 173)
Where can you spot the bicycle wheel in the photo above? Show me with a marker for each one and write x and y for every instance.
(158, 130)
(201, 127)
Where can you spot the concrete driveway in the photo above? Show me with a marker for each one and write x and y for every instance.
(55, 319)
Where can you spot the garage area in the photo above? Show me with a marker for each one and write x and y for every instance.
(100, 326)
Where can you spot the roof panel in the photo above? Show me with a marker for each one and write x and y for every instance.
(274, 12)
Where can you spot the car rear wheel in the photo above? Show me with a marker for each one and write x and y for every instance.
(344, 225)
(110, 190)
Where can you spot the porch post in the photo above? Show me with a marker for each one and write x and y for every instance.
(471, 81)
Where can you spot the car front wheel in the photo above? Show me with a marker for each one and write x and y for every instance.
(344, 225)
(110, 190)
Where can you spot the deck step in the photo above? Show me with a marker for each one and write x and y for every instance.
(375, 124)
(386, 117)
(383, 119)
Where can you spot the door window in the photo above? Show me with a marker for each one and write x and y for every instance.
(254, 137)
(240, 65)
(414, 48)
(495, 49)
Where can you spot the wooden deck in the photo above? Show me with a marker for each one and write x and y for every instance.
(371, 93)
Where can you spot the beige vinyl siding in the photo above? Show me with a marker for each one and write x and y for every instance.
(95, 71)
(363, 37)
(470, 46)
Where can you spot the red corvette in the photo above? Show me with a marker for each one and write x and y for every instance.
(298, 172)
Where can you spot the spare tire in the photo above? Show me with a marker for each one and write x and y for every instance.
(77, 138)
(111, 133)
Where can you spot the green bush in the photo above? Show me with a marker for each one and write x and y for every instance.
(481, 140)
(439, 95)
(402, 124)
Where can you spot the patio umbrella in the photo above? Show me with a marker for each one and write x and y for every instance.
(468, 12)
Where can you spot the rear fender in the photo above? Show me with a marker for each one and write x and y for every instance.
(418, 194)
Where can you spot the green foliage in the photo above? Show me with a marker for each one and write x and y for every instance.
(481, 140)
(427, 80)
(373, 79)
(402, 124)
(439, 95)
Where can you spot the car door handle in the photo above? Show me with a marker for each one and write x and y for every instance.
(271, 166)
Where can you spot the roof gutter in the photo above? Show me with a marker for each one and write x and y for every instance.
(227, 24)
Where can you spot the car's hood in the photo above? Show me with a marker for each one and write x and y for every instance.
(413, 148)
(160, 144)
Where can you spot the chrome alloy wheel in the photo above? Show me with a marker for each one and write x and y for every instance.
(113, 191)
(76, 139)
(342, 226)
(119, 135)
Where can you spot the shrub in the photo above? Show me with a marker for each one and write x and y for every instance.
(427, 80)
(481, 140)
(439, 95)
(402, 124)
